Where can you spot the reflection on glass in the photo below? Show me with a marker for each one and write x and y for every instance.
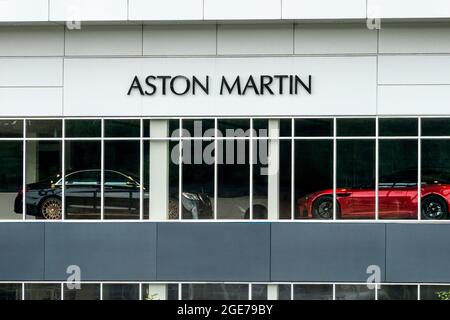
(42, 291)
(233, 181)
(214, 291)
(260, 179)
(11, 128)
(397, 292)
(435, 127)
(198, 128)
(285, 167)
(355, 179)
(173, 130)
(83, 128)
(358, 127)
(354, 292)
(233, 127)
(11, 180)
(313, 292)
(174, 177)
(434, 292)
(391, 127)
(284, 292)
(159, 291)
(314, 179)
(313, 127)
(120, 291)
(44, 128)
(82, 192)
(435, 178)
(285, 127)
(397, 189)
(43, 171)
(121, 180)
(123, 128)
(87, 291)
(259, 292)
(10, 291)
(260, 128)
(198, 179)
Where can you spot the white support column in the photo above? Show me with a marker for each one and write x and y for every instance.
(159, 170)
(272, 292)
(273, 192)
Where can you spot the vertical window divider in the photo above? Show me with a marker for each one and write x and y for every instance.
(180, 169)
(102, 171)
(418, 292)
(334, 291)
(292, 291)
(292, 168)
(419, 168)
(250, 289)
(377, 285)
(23, 290)
(251, 169)
(63, 171)
(334, 169)
(179, 291)
(62, 290)
(216, 157)
(140, 288)
(141, 173)
(377, 161)
(24, 166)
(101, 290)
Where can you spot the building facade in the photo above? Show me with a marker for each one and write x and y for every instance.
(251, 149)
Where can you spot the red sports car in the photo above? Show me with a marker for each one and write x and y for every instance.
(396, 199)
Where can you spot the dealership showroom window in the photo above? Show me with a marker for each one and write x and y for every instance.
(205, 149)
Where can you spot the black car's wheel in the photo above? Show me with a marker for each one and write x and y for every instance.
(323, 208)
(51, 209)
(434, 208)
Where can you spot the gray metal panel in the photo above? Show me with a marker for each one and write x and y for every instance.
(326, 251)
(418, 252)
(104, 250)
(213, 251)
(21, 251)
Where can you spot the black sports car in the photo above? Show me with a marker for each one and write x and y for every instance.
(83, 198)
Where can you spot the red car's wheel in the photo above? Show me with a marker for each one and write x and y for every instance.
(323, 208)
(434, 208)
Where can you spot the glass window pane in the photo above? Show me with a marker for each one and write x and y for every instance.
(313, 127)
(355, 179)
(313, 292)
(354, 292)
(11, 180)
(120, 291)
(355, 127)
(434, 292)
(11, 128)
(435, 127)
(285, 167)
(284, 292)
(122, 180)
(233, 127)
(159, 291)
(82, 190)
(83, 128)
(44, 128)
(391, 127)
(42, 291)
(10, 291)
(260, 178)
(397, 292)
(233, 181)
(43, 171)
(314, 179)
(214, 291)
(259, 292)
(198, 179)
(152, 128)
(397, 189)
(435, 169)
(285, 127)
(198, 128)
(123, 128)
(260, 127)
(87, 291)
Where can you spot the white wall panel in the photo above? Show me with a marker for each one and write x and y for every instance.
(414, 69)
(415, 38)
(88, 10)
(166, 9)
(23, 10)
(255, 39)
(341, 85)
(30, 72)
(334, 39)
(30, 102)
(324, 9)
(105, 40)
(32, 41)
(242, 9)
(410, 8)
(180, 39)
(414, 100)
